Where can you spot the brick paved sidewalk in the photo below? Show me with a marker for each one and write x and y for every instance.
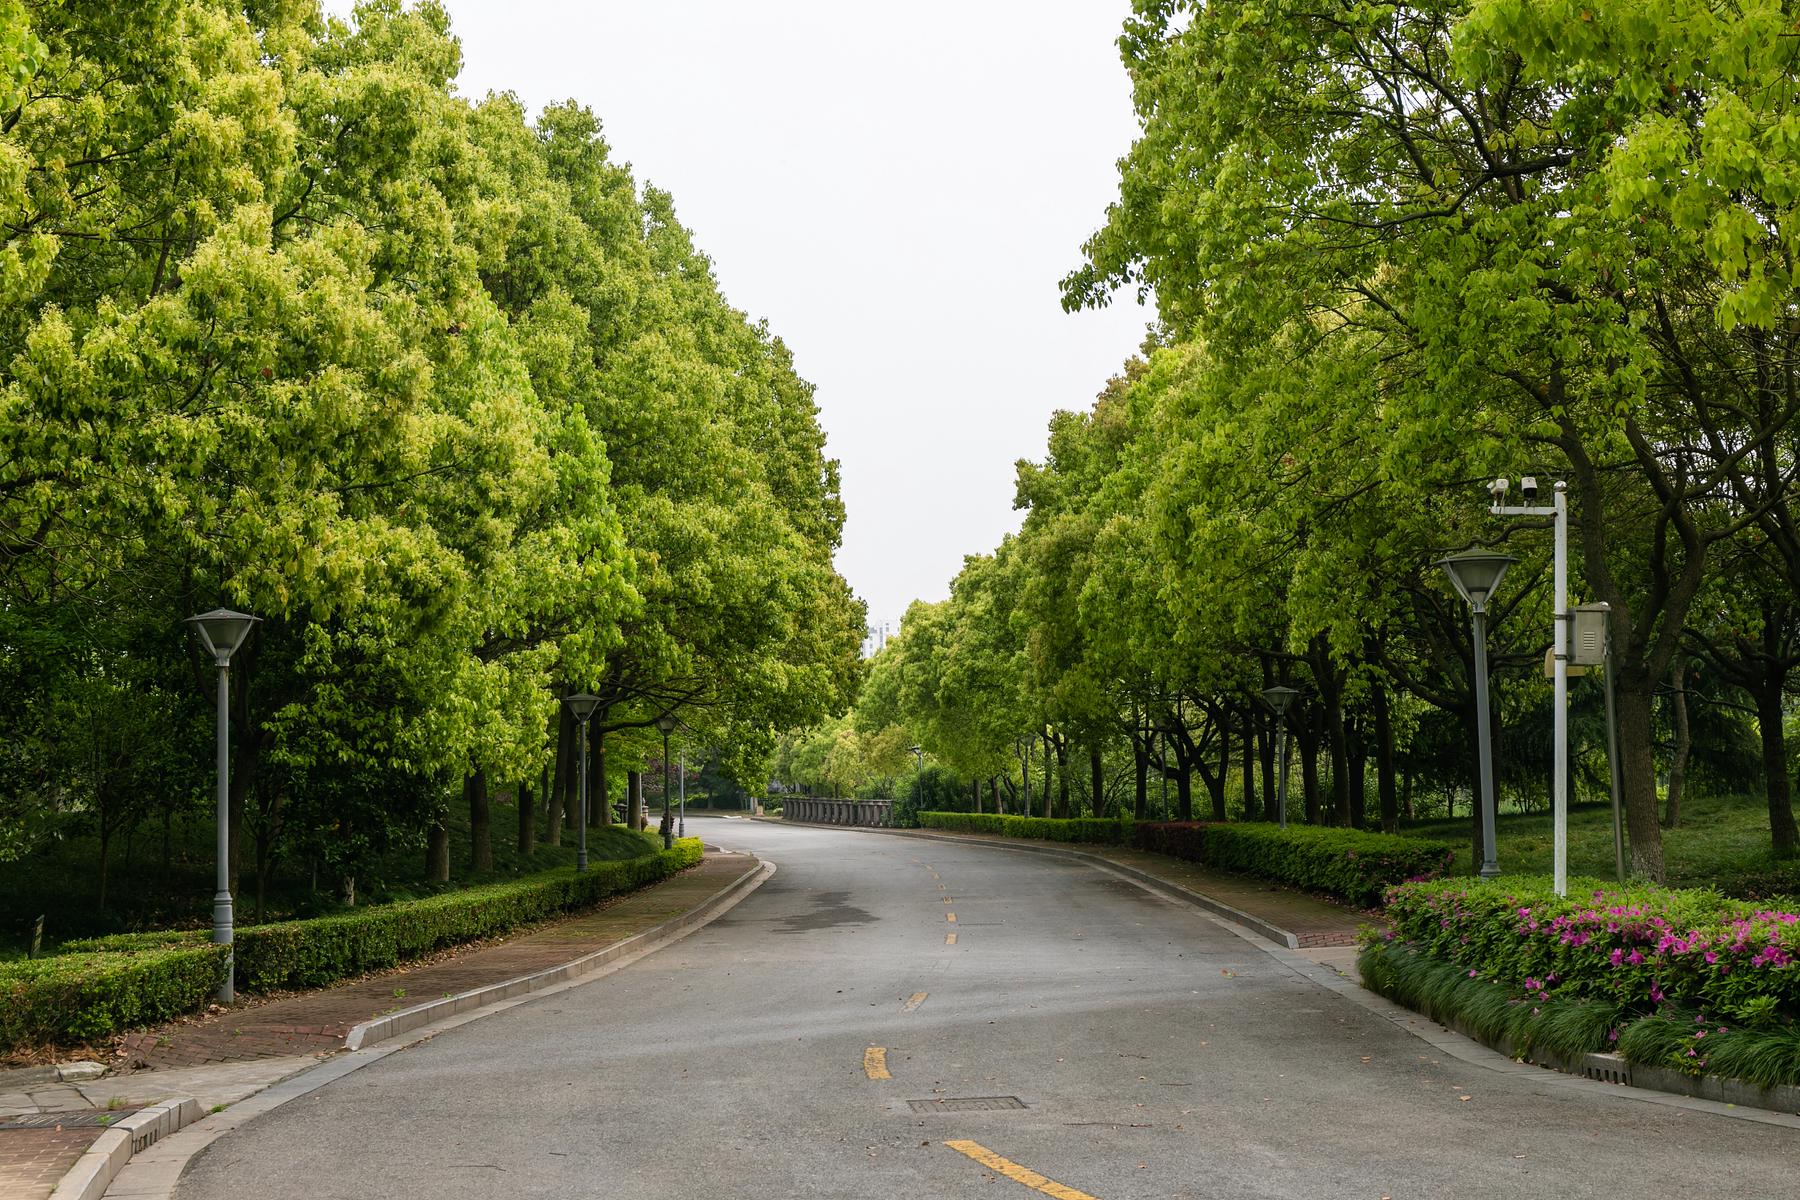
(317, 1022)
(33, 1160)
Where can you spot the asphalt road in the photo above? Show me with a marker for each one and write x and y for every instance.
(1156, 1055)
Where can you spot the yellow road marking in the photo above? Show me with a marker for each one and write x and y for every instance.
(1014, 1172)
(913, 1001)
(950, 917)
(875, 1063)
(949, 939)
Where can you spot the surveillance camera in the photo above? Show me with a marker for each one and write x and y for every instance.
(1497, 490)
(1528, 485)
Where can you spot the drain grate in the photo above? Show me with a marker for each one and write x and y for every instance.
(68, 1120)
(967, 1104)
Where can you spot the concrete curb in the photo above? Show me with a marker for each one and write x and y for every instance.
(95, 1170)
(153, 1176)
(406, 1020)
(1268, 929)
(79, 1071)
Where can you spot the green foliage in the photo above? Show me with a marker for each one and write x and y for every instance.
(85, 997)
(1637, 948)
(1093, 831)
(323, 950)
(1352, 864)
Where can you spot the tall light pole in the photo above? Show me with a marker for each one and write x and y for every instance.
(666, 723)
(1281, 699)
(1476, 574)
(583, 706)
(222, 633)
(1558, 509)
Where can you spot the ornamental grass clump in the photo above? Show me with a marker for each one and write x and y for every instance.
(1685, 979)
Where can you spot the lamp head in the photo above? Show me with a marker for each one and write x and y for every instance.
(1476, 574)
(1280, 698)
(666, 723)
(582, 705)
(222, 632)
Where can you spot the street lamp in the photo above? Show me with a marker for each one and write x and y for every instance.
(222, 633)
(1476, 574)
(1558, 510)
(1281, 699)
(666, 723)
(583, 706)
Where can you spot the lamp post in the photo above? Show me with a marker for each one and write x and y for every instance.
(666, 723)
(681, 774)
(1281, 699)
(1476, 574)
(1558, 510)
(222, 633)
(583, 706)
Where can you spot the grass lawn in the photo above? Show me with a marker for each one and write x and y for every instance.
(62, 882)
(1722, 842)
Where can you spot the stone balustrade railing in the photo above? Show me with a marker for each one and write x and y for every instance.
(875, 813)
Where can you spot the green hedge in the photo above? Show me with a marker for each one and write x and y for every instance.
(82, 997)
(1105, 831)
(1684, 979)
(130, 978)
(322, 950)
(1354, 864)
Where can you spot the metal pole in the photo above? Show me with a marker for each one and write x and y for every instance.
(1162, 768)
(1612, 762)
(1484, 747)
(1560, 790)
(667, 825)
(222, 922)
(1281, 740)
(681, 830)
(581, 838)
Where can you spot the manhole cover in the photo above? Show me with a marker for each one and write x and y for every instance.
(967, 1104)
(69, 1120)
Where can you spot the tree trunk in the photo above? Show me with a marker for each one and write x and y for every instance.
(1683, 743)
(1096, 777)
(634, 799)
(437, 853)
(1307, 734)
(1637, 758)
(481, 845)
(1340, 760)
(1140, 765)
(1061, 744)
(994, 794)
(527, 821)
(1265, 749)
(1358, 783)
(553, 815)
(1049, 771)
(1776, 784)
(105, 848)
(602, 794)
(1252, 811)
(1384, 763)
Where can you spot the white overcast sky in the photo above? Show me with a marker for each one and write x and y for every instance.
(898, 189)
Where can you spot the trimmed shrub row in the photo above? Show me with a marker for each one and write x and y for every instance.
(1354, 864)
(1104, 831)
(81, 997)
(100, 985)
(322, 950)
(1636, 947)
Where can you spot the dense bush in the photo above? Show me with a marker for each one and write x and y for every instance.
(1105, 831)
(322, 950)
(81, 997)
(1638, 947)
(1354, 864)
(1685, 979)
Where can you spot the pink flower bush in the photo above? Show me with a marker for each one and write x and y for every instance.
(1637, 946)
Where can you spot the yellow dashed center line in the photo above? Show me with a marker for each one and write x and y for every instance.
(875, 1063)
(913, 1001)
(949, 939)
(1014, 1172)
(950, 917)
